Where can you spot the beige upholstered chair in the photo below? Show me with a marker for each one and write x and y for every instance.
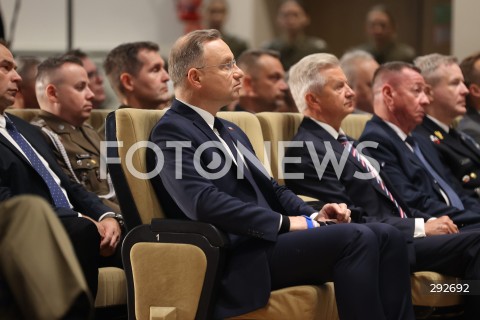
(283, 126)
(112, 285)
(164, 294)
(278, 126)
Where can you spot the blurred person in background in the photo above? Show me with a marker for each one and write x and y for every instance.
(382, 41)
(137, 74)
(216, 15)
(26, 97)
(359, 67)
(263, 85)
(293, 43)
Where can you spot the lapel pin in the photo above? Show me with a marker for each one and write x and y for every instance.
(435, 139)
(439, 135)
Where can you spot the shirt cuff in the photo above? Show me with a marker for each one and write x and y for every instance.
(314, 215)
(109, 214)
(419, 231)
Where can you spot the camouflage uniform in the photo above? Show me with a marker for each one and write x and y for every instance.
(81, 145)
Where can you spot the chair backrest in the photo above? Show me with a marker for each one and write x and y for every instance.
(129, 126)
(137, 198)
(278, 127)
(354, 124)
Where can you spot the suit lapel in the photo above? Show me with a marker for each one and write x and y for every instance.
(339, 149)
(200, 123)
(10, 146)
(462, 147)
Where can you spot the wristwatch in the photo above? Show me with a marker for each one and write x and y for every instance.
(116, 216)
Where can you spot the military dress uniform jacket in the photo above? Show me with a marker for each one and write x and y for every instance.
(82, 149)
(458, 152)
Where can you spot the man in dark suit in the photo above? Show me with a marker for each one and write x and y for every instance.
(399, 102)
(358, 180)
(272, 245)
(28, 166)
(470, 122)
(459, 152)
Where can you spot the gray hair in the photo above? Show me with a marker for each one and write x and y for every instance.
(187, 52)
(430, 63)
(350, 60)
(304, 76)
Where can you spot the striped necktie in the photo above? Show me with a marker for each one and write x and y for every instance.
(368, 168)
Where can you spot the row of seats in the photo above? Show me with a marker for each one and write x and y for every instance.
(112, 287)
(159, 253)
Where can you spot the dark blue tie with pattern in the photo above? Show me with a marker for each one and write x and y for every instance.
(56, 192)
(451, 194)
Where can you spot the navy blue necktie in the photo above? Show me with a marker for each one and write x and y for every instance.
(451, 194)
(222, 131)
(378, 180)
(56, 192)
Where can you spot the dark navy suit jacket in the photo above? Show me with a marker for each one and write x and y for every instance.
(367, 201)
(412, 181)
(18, 177)
(458, 153)
(233, 205)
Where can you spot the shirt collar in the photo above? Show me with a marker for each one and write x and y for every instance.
(334, 133)
(402, 135)
(207, 116)
(440, 124)
(3, 123)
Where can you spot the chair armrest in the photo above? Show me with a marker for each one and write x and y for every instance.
(206, 237)
(216, 237)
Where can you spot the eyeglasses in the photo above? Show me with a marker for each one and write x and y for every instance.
(224, 66)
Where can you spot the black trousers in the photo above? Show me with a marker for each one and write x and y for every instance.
(86, 242)
(454, 255)
(367, 262)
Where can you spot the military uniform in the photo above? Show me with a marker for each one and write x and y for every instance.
(291, 53)
(82, 149)
(459, 152)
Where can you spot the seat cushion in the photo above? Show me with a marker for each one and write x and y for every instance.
(175, 282)
(421, 295)
(300, 302)
(112, 287)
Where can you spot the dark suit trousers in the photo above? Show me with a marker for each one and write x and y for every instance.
(86, 242)
(367, 262)
(455, 255)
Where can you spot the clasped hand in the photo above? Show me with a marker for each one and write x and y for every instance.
(334, 212)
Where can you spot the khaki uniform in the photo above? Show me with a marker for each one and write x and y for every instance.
(40, 277)
(82, 147)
